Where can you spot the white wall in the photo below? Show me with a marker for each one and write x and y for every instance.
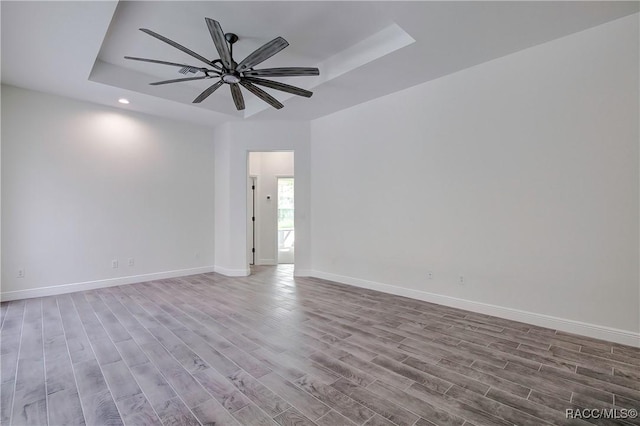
(83, 184)
(521, 174)
(233, 142)
(267, 167)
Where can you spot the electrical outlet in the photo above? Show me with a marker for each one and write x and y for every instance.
(131, 261)
(461, 280)
(430, 275)
(20, 273)
(114, 263)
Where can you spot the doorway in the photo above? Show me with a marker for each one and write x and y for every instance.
(286, 229)
(270, 209)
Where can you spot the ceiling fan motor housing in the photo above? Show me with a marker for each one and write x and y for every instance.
(231, 77)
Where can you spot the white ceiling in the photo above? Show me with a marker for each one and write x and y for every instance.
(364, 49)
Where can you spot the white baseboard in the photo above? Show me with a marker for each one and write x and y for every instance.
(302, 272)
(624, 337)
(91, 285)
(232, 272)
(267, 262)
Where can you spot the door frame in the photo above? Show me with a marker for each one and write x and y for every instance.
(253, 181)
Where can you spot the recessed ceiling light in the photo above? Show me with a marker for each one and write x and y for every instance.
(123, 101)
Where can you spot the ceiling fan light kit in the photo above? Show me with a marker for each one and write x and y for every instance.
(228, 71)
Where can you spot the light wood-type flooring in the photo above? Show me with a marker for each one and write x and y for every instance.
(268, 349)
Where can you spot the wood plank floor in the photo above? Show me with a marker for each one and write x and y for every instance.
(268, 349)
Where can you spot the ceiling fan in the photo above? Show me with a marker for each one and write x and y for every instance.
(232, 73)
